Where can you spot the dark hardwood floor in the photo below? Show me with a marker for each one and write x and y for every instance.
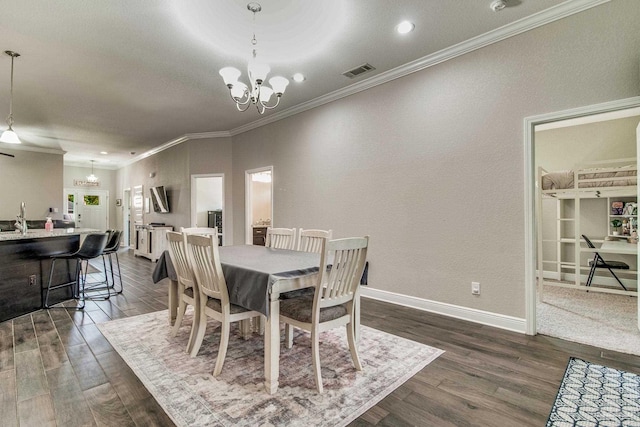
(56, 368)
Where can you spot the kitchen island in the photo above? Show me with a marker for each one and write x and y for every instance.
(25, 263)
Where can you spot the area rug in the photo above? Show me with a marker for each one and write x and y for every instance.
(191, 396)
(595, 395)
(594, 318)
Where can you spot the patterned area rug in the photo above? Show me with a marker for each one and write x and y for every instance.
(191, 396)
(595, 395)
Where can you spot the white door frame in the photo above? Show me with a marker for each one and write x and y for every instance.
(194, 201)
(126, 214)
(530, 193)
(104, 194)
(248, 220)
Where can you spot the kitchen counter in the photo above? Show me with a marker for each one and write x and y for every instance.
(25, 266)
(39, 233)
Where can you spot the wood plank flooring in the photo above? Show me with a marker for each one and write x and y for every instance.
(56, 368)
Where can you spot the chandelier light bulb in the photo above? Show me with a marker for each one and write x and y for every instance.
(279, 84)
(258, 71)
(230, 75)
(265, 94)
(238, 90)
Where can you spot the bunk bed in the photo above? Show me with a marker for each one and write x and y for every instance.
(612, 180)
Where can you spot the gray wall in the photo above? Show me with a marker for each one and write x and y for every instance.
(431, 165)
(31, 177)
(173, 169)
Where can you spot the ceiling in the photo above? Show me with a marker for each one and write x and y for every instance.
(126, 76)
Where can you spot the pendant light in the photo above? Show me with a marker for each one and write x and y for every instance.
(9, 136)
(92, 178)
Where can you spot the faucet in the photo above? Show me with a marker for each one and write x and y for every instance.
(21, 222)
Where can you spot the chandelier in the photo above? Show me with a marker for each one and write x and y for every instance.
(92, 178)
(9, 136)
(257, 93)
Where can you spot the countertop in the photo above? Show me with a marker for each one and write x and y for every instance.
(260, 226)
(40, 233)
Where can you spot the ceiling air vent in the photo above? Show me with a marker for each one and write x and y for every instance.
(364, 68)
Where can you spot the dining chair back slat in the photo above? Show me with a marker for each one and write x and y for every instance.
(281, 238)
(206, 266)
(311, 240)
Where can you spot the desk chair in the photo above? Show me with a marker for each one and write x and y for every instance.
(599, 262)
(92, 247)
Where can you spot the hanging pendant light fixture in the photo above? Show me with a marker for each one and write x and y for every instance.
(9, 136)
(257, 93)
(92, 178)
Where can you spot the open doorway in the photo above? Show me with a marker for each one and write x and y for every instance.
(126, 218)
(258, 201)
(557, 253)
(207, 203)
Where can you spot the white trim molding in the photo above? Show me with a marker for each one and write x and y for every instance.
(496, 320)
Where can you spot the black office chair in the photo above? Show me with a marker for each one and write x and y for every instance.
(599, 262)
(91, 248)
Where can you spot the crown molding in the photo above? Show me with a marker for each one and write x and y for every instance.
(539, 19)
(21, 147)
(554, 13)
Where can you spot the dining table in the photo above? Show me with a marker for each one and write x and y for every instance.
(256, 278)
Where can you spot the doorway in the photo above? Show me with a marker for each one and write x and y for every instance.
(531, 215)
(87, 207)
(207, 203)
(258, 200)
(126, 217)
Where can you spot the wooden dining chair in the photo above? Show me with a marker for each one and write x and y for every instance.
(332, 304)
(311, 240)
(187, 287)
(214, 296)
(203, 231)
(281, 238)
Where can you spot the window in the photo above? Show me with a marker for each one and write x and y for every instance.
(91, 200)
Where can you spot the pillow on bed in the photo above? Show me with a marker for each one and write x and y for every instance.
(557, 180)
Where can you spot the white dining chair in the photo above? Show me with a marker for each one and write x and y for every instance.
(333, 302)
(281, 238)
(214, 296)
(203, 231)
(187, 287)
(311, 240)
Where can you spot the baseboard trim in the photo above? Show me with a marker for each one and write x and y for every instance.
(496, 320)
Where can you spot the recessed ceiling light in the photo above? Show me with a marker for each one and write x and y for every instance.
(103, 152)
(298, 77)
(405, 27)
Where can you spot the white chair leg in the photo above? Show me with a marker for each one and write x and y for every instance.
(182, 307)
(315, 353)
(353, 347)
(288, 335)
(194, 326)
(202, 328)
(222, 350)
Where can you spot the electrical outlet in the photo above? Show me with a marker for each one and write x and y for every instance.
(475, 288)
(32, 280)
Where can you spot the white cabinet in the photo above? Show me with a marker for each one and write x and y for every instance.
(151, 241)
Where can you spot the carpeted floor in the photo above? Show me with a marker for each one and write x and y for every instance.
(191, 396)
(596, 395)
(602, 320)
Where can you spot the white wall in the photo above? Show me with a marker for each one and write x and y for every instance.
(31, 177)
(431, 165)
(261, 201)
(208, 198)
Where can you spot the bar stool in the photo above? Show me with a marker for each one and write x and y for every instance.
(91, 248)
(112, 249)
